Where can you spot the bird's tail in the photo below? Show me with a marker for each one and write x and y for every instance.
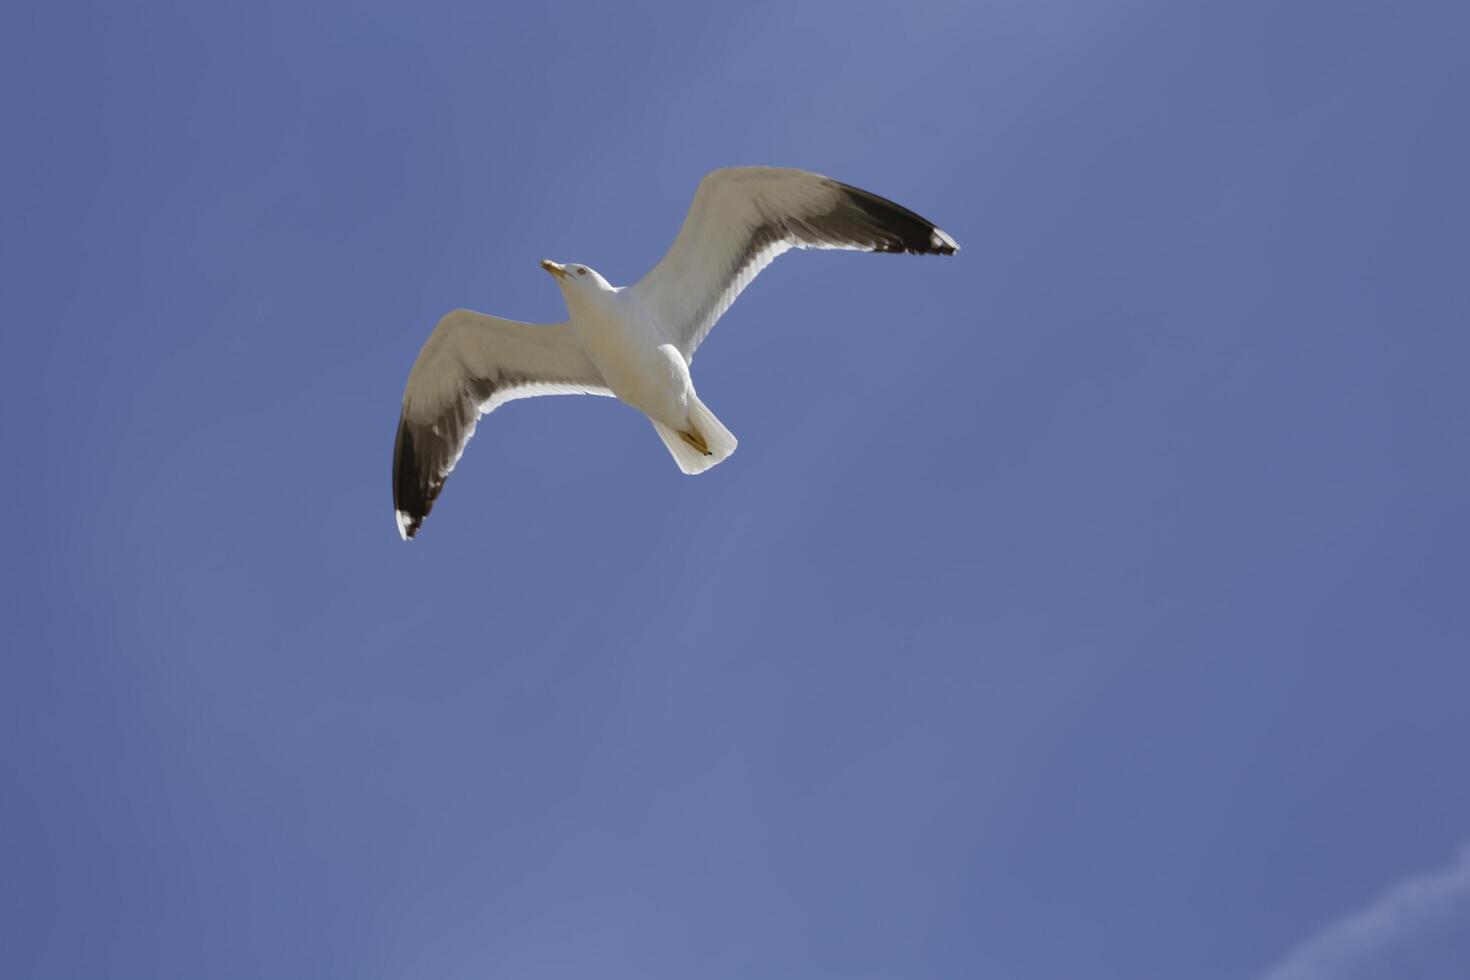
(708, 442)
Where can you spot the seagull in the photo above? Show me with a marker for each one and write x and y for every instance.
(635, 343)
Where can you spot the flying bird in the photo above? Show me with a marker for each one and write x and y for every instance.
(635, 343)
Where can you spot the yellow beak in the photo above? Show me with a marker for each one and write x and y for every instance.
(559, 271)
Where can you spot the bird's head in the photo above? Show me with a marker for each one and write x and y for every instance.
(574, 277)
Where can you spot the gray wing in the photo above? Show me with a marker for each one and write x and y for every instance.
(471, 365)
(742, 218)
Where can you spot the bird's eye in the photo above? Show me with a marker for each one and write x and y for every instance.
(581, 272)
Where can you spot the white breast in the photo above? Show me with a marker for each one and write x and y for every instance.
(635, 358)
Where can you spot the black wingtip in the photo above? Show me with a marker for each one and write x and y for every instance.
(901, 230)
(410, 503)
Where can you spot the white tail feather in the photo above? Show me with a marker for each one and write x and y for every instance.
(721, 441)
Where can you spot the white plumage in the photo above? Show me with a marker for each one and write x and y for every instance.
(635, 343)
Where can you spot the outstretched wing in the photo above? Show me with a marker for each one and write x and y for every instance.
(471, 365)
(743, 217)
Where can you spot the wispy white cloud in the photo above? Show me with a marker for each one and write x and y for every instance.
(1406, 910)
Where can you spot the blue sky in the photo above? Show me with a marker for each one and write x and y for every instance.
(1092, 604)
